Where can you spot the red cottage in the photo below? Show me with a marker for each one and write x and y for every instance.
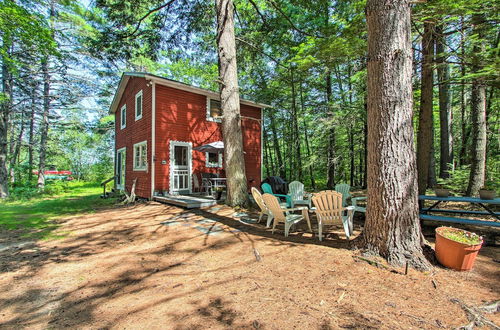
(159, 121)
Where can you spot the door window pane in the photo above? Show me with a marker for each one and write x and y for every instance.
(180, 155)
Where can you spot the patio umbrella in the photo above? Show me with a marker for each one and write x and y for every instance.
(214, 147)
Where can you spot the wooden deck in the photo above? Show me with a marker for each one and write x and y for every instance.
(186, 201)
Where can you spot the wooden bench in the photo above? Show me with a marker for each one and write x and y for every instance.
(459, 220)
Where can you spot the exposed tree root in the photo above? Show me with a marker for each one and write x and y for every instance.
(475, 316)
(397, 257)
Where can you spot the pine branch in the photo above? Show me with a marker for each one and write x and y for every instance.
(167, 4)
(291, 22)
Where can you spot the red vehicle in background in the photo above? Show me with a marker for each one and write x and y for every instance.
(57, 175)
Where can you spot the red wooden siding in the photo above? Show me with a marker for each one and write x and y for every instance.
(181, 116)
(134, 132)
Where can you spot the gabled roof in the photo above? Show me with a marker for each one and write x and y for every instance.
(170, 83)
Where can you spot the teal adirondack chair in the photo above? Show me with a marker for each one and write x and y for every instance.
(343, 188)
(266, 188)
(296, 192)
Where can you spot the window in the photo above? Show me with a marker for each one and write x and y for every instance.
(123, 117)
(138, 105)
(214, 110)
(213, 159)
(140, 156)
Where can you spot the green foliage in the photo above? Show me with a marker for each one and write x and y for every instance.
(461, 236)
(458, 180)
(36, 216)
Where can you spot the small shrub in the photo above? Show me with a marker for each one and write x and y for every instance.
(458, 180)
(23, 193)
(56, 187)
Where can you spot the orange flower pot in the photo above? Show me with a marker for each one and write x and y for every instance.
(455, 255)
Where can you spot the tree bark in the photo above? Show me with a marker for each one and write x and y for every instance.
(306, 139)
(46, 110)
(276, 145)
(265, 145)
(365, 146)
(351, 154)
(44, 125)
(31, 138)
(445, 113)
(17, 149)
(478, 113)
(4, 118)
(424, 135)
(296, 135)
(230, 102)
(463, 102)
(431, 180)
(330, 165)
(392, 227)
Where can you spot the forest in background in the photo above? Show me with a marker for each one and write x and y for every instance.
(61, 61)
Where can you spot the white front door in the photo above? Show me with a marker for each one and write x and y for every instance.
(180, 167)
(120, 168)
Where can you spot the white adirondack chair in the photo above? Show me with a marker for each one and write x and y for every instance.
(343, 188)
(330, 211)
(296, 191)
(282, 215)
(257, 196)
(358, 208)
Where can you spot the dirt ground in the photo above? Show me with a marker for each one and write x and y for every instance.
(123, 268)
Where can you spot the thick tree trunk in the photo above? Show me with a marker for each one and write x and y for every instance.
(295, 130)
(266, 154)
(31, 138)
(330, 164)
(351, 154)
(478, 105)
(463, 102)
(230, 101)
(365, 146)
(431, 180)
(276, 145)
(16, 151)
(445, 113)
(392, 227)
(306, 140)
(46, 110)
(4, 125)
(424, 135)
(44, 125)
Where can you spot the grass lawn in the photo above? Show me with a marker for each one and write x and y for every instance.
(36, 217)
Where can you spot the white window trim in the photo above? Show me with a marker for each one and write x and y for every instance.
(124, 150)
(145, 167)
(210, 118)
(123, 108)
(142, 103)
(219, 162)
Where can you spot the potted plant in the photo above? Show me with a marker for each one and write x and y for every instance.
(456, 248)
(488, 191)
(441, 190)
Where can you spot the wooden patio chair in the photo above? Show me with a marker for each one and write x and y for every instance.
(282, 215)
(344, 189)
(257, 196)
(330, 211)
(296, 192)
(266, 188)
